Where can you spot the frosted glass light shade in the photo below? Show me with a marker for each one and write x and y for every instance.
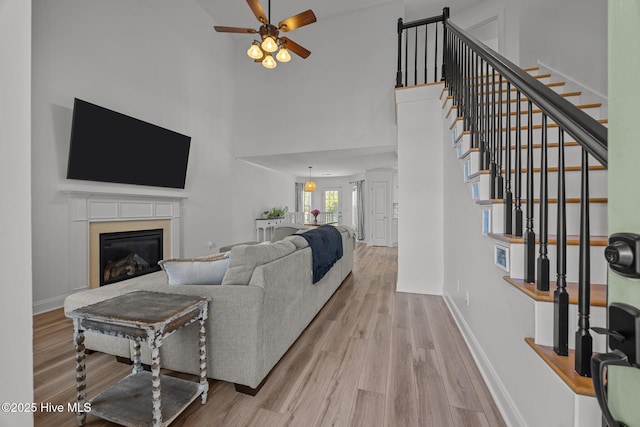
(283, 55)
(254, 51)
(269, 62)
(269, 44)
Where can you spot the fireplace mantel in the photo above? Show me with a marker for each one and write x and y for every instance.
(102, 205)
(78, 189)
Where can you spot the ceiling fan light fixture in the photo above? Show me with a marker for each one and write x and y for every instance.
(254, 51)
(269, 62)
(269, 44)
(283, 55)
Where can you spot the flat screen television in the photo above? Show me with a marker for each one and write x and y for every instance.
(108, 146)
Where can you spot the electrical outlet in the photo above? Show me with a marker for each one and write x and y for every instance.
(466, 298)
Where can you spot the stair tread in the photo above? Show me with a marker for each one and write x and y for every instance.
(563, 366)
(572, 240)
(549, 125)
(598, 291)
(538, 111)
(537, 170)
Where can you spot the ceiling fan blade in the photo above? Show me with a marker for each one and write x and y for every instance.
(296, 21)
(257, 10)
(294, 47)
(234, 30)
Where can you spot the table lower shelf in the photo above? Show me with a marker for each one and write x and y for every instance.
(129, 401)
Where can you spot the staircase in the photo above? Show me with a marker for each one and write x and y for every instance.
(493, 209)
(528, 174)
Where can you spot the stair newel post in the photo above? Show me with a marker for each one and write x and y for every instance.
(543, 260)
(560, 295)
(518, 167)
(445, 41)
(492, 137)
(529, 235)
(399, 71)
(584, 341)
(499, 180)
(508, 217)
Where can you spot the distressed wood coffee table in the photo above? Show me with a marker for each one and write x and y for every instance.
(141, 316)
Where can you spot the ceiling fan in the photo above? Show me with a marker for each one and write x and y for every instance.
(262, 51)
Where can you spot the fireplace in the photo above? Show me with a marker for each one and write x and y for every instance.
(128, 254)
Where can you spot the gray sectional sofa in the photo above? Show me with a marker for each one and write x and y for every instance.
(265, 301)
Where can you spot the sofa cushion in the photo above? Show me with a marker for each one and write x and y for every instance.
(207, 270)
(244, 259)
(299, 241)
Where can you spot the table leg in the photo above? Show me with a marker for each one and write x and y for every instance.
(203, 360)
(137, 364)
(81, 385)
(155, 384)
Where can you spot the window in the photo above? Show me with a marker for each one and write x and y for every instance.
(306, 205)
(331, 205)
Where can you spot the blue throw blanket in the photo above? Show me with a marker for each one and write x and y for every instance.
(326, 248)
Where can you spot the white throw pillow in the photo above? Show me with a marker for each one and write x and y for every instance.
(198, 271)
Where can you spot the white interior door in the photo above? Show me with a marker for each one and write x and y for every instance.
(380, 213)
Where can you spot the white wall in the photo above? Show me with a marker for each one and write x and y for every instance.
(340, 97)
(16, 357)
(569, 36)
(159, 61)
(420, 191)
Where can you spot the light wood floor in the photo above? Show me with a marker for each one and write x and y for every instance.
(372, 357)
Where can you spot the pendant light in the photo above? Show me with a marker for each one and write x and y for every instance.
(309, 185)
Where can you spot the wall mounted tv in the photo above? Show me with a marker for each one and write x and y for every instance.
(109, 146)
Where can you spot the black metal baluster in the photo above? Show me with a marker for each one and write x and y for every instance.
(529, 235)
(492, 140)
(485, 155)
(406, 58)
(560, 295)
(415, 57)
(399, 71)
(435, 58)
(499, 189)
(479, 139)
(474, 104)
(543, 259)
(426, 45)
(508, 215)
(584, 341)
(518, 168)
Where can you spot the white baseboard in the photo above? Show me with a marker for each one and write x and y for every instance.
(506, 405)
(418, 288)
(43, 306)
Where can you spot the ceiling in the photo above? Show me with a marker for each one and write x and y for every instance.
(334, 162)
(330, 163)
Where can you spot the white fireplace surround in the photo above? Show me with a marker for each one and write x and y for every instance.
(87, 207)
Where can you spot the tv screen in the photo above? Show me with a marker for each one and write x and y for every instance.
(109, 146)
